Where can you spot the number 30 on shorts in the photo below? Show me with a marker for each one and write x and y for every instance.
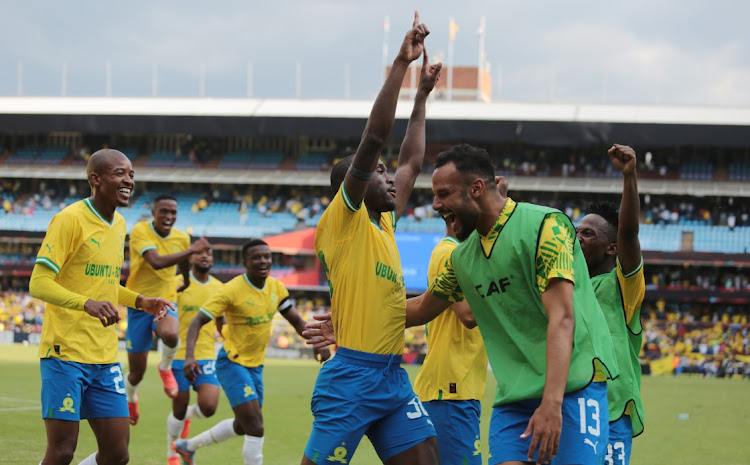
(419, 410)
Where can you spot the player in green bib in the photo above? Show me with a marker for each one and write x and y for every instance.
(525, 278)
(609, 241)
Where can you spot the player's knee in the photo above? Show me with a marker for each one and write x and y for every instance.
(170, 338)
(115, 456)
(252, 427)
(207, 410)
(61, 455)
(135, 375)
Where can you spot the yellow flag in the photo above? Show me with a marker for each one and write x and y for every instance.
(453, 28)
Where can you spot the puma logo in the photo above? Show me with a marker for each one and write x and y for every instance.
(592, 444)
(96, 242)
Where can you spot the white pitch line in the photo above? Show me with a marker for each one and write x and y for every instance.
(18, 409)
(15, 399)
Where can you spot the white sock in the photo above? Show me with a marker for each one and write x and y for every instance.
(174, 429)
(167, 355)
(90, 460)
(252, 451)
(219, 433)
(194, 411)
(130, 390)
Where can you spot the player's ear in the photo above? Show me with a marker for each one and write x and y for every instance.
(94, 180)
(477, 187)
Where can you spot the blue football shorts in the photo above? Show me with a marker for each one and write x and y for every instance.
(620, 441)
(585, 428)
(206, 376)
(360, 393)
(139, 336)
(240, 383)
(457, 426)
(72, 391)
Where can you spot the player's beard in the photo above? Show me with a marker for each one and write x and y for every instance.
(202, 269)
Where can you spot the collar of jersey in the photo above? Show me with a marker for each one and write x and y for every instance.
(451, 239)
(247, 280)
(192, 276)
(93, 210)
(488, 241)
(151, 225)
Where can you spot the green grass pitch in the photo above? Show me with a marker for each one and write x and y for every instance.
(716, 431)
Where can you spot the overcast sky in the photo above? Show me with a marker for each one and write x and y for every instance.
(652, 52)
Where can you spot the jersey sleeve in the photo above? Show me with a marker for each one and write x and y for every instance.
(43, 286)
(445, 285)
(341, 213)
(554, 255)
(633, 287)
(284, 302)
(126, 297)
(58, 246)
(140, 242)
(217, 304)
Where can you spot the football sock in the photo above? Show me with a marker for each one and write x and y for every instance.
(219, 433)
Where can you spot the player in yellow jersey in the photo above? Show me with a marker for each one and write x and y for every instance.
(77, 273)
(609, 242)
(249, 303)
(155, 251)
(364, 390)
(189, 302)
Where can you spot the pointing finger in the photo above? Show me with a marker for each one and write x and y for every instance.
(416, 18)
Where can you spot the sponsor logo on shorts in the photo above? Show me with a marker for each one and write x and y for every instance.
(339, 454)
(249, 391)
(68, 405)
(477, 446)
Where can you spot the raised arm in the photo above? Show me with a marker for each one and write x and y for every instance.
(411, 155)
(158, 262)
(628, 245)
(382, 115)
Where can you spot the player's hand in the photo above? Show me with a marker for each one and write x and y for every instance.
(544, 428)
(103, 311)
(430, 74)
(191, 369)
(319, 334)
(413, 44)
(623, 158)
(321, 355)
(156, 306)
(220, 322)
(502, 185)
(200, 245)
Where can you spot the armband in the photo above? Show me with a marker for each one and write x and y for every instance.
(359, 174)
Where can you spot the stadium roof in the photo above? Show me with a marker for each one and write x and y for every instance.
(565, 124)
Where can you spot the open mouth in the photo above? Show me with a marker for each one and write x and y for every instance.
(125, 191)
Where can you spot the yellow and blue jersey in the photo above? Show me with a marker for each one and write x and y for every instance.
(86, 252)
(248, 311)
(189, 303)
(368, 299)
(455, 367)
(144, 279)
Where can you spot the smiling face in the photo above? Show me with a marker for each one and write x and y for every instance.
(381, 192)
(112, 178)
(257, 261)
(203, 260)
(453, 201)
(165, 214)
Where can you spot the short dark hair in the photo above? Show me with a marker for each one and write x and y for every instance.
(608, 211)
(469, 161)
(164, 197)
(252, 243)
(338, 173)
